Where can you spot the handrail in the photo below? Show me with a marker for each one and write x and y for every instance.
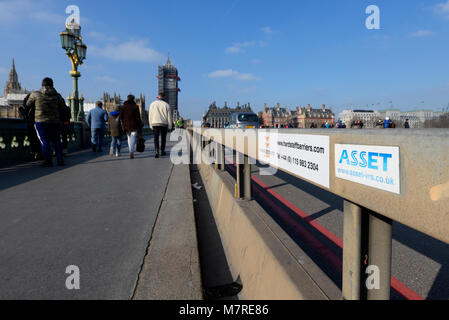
(423, 202)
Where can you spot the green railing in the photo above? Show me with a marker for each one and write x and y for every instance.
(15, 142)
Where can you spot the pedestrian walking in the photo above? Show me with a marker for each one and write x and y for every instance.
(66, 127)
(27, 114)
(48, 103)
(116, 131)
(160, 119)
(131, 123)
(406, 124)
(96, 119)
(180, 123)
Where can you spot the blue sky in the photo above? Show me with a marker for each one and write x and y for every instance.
(292, 52)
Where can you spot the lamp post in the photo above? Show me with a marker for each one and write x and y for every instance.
(76, 51)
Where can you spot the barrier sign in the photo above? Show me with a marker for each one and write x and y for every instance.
(373, 166)
(306, 156)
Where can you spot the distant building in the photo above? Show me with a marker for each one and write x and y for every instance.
(219, 117)
(277, 117)
(87, 106)
(168, 83)
(110, 102)
(304, 117)
(14, 96)
(370, 117)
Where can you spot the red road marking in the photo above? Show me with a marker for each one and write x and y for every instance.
(335, 261)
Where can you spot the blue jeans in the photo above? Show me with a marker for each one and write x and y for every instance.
(116, 144)
(98, 137)
(50, 133)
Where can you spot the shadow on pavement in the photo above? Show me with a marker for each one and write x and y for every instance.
(19, 174)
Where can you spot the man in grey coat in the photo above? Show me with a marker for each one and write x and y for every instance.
(97, 119)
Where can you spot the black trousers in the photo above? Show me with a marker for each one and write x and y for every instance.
(162, 132)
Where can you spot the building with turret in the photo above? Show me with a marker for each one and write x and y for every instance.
(168, 84)
(14, 95)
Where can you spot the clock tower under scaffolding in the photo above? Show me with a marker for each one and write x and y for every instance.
(168, 83)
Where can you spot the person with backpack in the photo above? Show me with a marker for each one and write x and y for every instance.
(96, 120)
(115, 129)
(27, 114)
(131, 123)
(48, 103)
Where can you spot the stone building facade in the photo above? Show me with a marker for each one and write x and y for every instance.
(110, 102)
(304, 117)
(370, 117)
(307, 116)
(220, 117)
(277, 117)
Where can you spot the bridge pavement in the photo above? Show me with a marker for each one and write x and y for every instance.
(97, 213)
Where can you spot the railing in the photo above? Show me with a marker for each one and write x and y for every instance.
(15, 143)
(382, 175)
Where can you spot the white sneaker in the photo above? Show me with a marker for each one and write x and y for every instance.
(117, 155)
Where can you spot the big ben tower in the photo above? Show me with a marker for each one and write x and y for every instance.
(168, 83)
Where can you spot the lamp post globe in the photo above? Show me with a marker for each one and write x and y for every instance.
(67, 40)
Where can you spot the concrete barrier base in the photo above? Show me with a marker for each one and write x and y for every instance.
(260, 254)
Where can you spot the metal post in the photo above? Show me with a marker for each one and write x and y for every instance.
(367, 239)
(247, 179)
(379, 248)
(221, 154)
(240, 180)
(75, 102)
(217, 149)
(352, 250)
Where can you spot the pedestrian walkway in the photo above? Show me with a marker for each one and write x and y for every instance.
(97, 213)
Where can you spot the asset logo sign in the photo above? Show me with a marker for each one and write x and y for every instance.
(373, 166)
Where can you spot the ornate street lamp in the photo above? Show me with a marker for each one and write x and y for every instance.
(72, 43)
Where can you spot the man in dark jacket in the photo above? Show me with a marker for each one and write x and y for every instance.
(115, 129)
(131, 123)
(48, 103)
